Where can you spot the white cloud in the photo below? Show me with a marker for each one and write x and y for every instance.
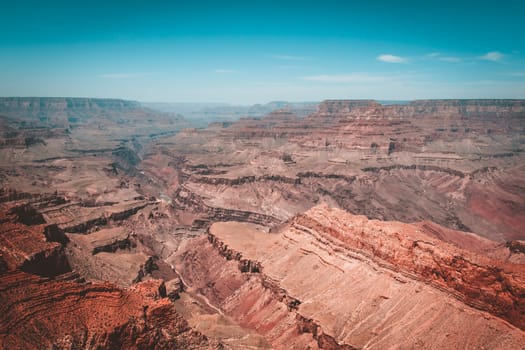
(493, 56)
(224, 71)
(346, 78)
(290, 57)
(123, 75)
(391, 58)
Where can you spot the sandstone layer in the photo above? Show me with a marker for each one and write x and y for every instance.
(47, 305)
(330, 279)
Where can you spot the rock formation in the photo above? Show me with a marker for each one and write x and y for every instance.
(46, 305)
(426, 160)
(351, 225)
(333, 280)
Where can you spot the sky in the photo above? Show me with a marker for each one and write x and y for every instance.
(245, 52)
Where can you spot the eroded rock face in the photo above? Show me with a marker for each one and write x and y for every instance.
(94, 228)
(46, 305)
(38, 312)
(454, 162)
(341, 281)
(483, 283)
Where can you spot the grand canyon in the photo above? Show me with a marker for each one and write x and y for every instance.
(340, 224)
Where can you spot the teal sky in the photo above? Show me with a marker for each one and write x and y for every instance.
(247, 52)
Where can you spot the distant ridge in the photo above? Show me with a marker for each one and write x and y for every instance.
(470, 102)
(438, 101)
(60, 103)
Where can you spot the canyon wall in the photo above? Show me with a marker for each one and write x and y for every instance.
(45, 304)
(332, 280)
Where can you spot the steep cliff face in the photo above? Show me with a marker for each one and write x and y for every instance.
(334, 280)
(336, 108)
(27, 247)
(253, 300)
(467, 107)
(46, 305)
(410, 126)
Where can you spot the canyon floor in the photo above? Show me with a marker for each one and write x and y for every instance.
(342, 225)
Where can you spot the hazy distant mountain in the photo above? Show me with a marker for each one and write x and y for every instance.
(201, 114)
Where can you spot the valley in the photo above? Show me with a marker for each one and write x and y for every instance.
(347, 224)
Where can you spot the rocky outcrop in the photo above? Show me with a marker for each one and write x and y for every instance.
(245, 265)
(54, 313)
(311, 174)
(125, 243)
(187, 200)
(46, 305)
(244, 180)
(28, 215)
(346, 282)
(26, 247)
(75, 218)
(146, 269)
(252, 299)
(126, 158)
(414, 167)
(488, 285)
(324, 341)
(344, 107)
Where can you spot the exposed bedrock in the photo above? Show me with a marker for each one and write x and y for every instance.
(244, 180)
(46, 305)
(28, 248)
(74, 218)
(147, 268)
(275, 178)
(47, 263)
(251, 299)
(334, 280)
(482, 283)
(413, 167)
(185, 199)
(450, 108)
(43, 313)
(114, 245)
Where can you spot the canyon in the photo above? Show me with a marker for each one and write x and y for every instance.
(347, 224)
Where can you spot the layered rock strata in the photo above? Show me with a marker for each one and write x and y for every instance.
(47, 305)
(334, 280)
